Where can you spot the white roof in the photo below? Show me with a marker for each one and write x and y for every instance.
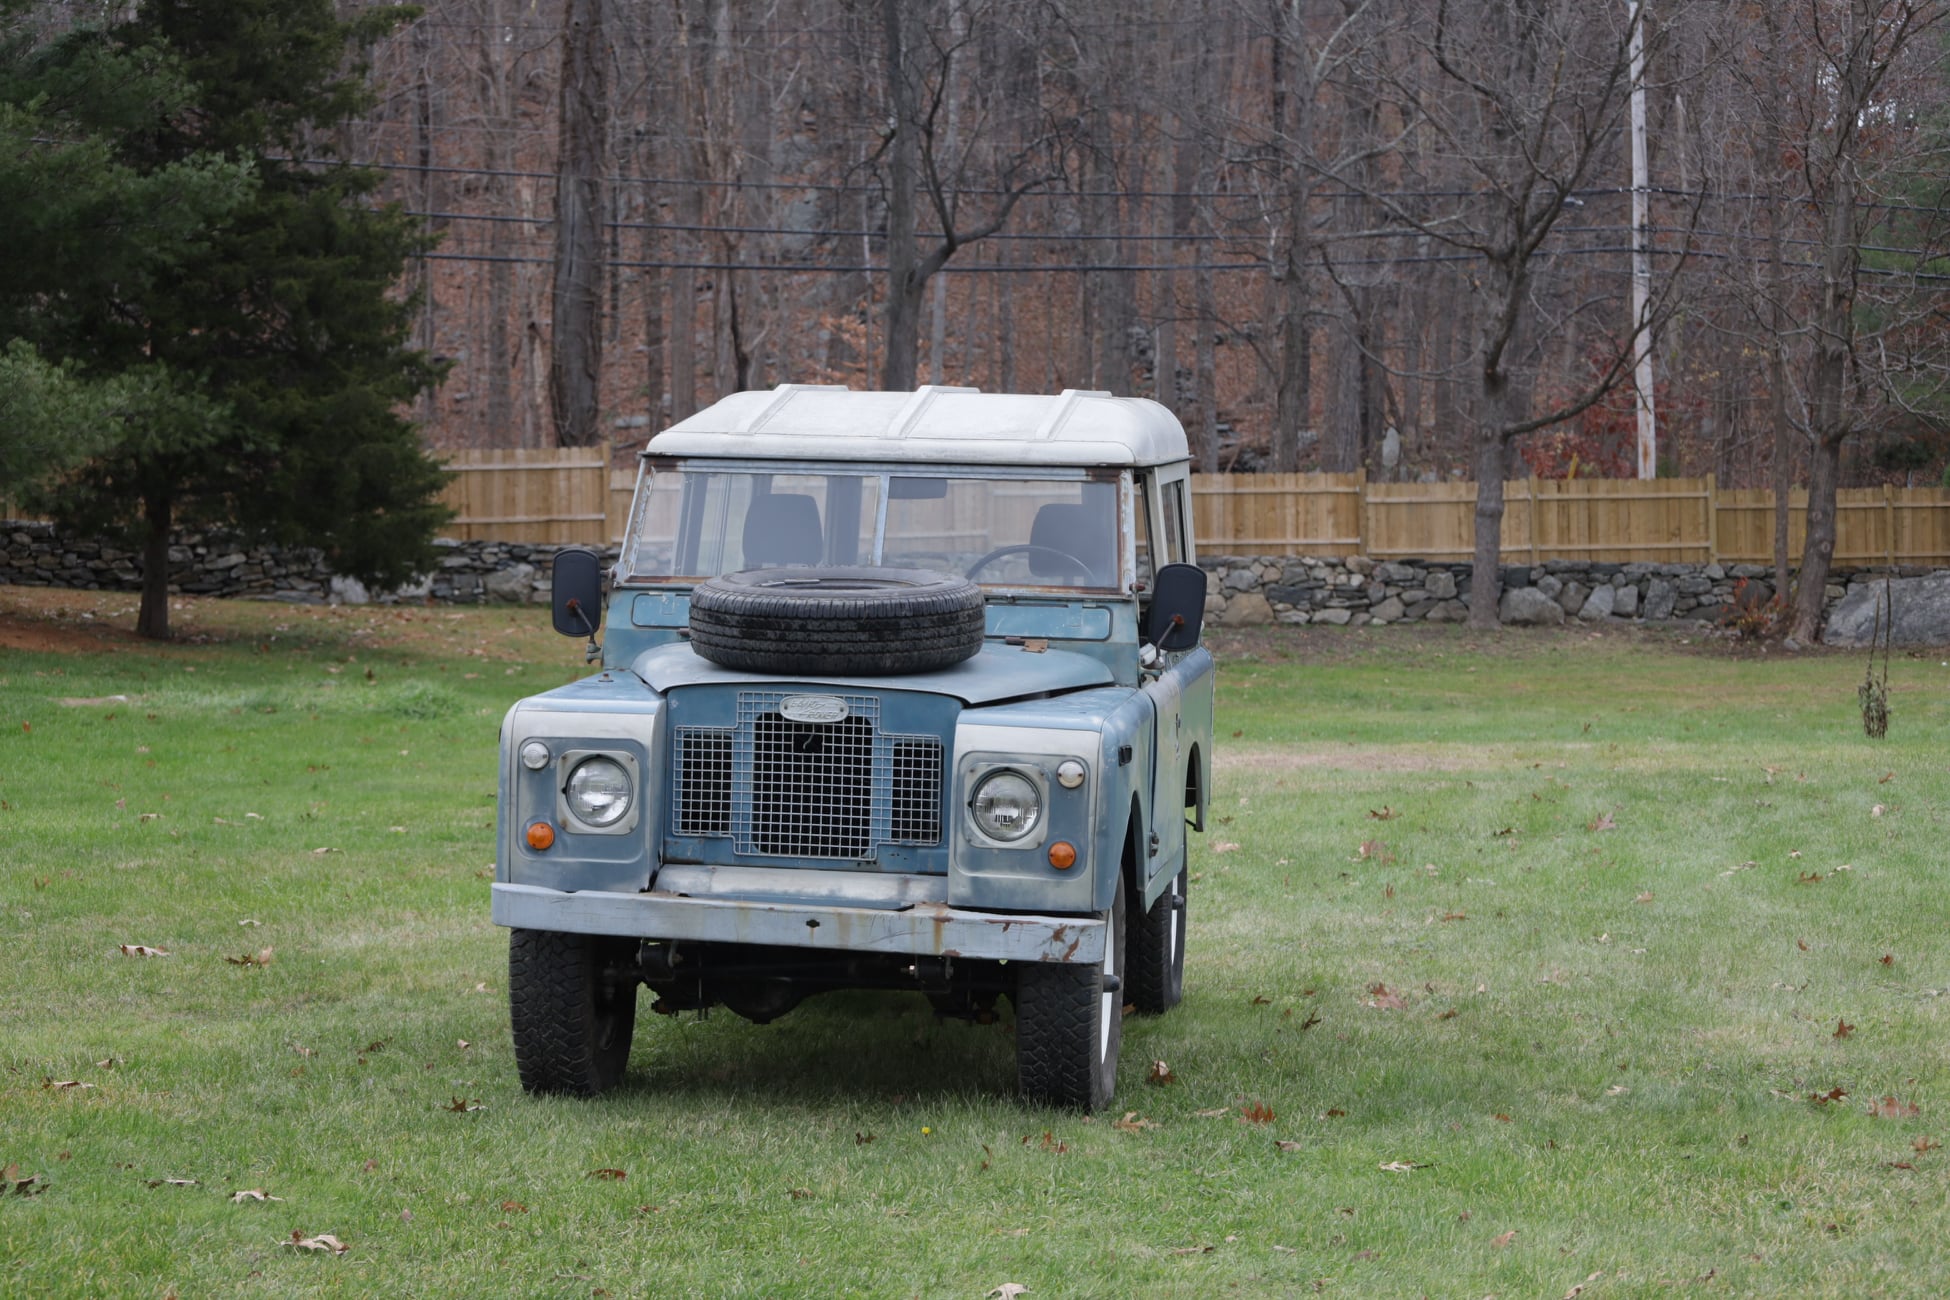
(932, 423)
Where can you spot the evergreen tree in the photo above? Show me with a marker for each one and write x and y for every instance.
(267, 351)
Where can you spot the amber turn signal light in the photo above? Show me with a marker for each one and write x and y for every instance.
(1062, 856)
(540, 835)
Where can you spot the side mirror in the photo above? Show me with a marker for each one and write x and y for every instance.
(576, 591)
(1177, 607)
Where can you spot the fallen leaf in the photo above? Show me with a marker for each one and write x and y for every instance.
(607, 1175)
(1500, 1118)
(172, 1182)
(1374, 851)
(1160, 1073)
(861, 1139)
(1287, 1144)
(1604, 823)
(1402, 1167)
(1382, 998)
(13, 1183)
(801, 1194)
(142, 950)
(1383, 813)
(1878, 810)
(1893, 1108)
(1260, 1000)
(513, 1207)
(1825, 1098)
(1808, 878)
(1008, 1291)
(1924, 1145)
(1450, 1014)
(1885, 778)
(1455, 916)
(1645, 897)
(1214, 1113)
(1333, 1112)
(262, 957)
(1193, 1250)
(1224, 846)
(59, 1084)
(1843, 1028)
(1132, 1123)
(1313, 1018)
(252, 1194)
(1257, 1112)
(461, 1106)
(1888, 959)
(1802, 944)
(1499, 1242)
(324, 1241)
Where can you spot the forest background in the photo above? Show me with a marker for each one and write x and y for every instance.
(1294, 223)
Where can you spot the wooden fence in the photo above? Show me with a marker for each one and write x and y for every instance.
(573, 496)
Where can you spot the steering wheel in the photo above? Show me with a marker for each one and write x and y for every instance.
(1083, 570)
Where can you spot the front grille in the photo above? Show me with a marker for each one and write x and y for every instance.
(807, 789)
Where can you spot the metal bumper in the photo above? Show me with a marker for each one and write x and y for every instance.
(921, 929)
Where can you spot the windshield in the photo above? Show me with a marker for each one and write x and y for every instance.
(999, 529)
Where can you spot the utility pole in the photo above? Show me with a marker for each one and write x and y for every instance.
(1642, 257)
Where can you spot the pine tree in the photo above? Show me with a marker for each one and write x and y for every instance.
(270, 343)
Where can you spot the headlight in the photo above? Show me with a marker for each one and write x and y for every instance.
(599, 791)
(1006, 805)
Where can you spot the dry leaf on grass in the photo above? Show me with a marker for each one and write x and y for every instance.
(262, 957)
(1133, 1123)
(1893, 1108)
(252, 1194)
(1007, 1291)
(58, 1085)
(461, 1106)
(1214, 1113)
(172, 1182)
(1193, 1250)
(1160, 1073)
(1499, 1242)
(607, 1175)
(141, 950)
(1224, 846)
(1843, 1029)
(324, 1241)
(1256, 1112)
(1645, 897)
(1287, 1144)
(14, 1183)
(1383, 813)
(1382, 998)
(1403, 1166)
(1374, 851)
(1604, 823)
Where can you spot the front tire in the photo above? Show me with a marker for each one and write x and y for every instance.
(1156, 957)
(1069, 1026)
(572, 1008)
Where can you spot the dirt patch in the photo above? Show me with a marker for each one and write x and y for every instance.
(1343, 760)
(46, 620)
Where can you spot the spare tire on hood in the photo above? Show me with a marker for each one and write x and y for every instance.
(862, 620)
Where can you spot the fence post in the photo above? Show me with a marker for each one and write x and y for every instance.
(1530, 497)
(1712, 518)
(1889, 522)
(1364, 518)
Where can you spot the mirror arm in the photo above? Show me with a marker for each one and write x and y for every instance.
(593, 651)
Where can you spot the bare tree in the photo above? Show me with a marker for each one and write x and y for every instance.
(576, 353)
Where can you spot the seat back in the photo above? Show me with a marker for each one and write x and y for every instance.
(782, 529)
(1075, 530)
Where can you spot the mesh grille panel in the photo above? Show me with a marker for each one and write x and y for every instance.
(703, 781)
(807, 789)
(916, 804)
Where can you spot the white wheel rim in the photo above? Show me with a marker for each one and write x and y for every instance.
(1107, 1003)
(1171, 941)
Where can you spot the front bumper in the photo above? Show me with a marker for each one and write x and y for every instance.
(919, 929)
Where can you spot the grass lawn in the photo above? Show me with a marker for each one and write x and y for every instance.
(1518, 964)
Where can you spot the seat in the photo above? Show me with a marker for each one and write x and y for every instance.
(1075, 530)
(782, 529)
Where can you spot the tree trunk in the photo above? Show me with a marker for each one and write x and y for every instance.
(904, 286)
(1295, 395)
(1486, 558)
(576, 354)
(152, 621)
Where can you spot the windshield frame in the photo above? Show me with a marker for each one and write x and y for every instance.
(1122, 478)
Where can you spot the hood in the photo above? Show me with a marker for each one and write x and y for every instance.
(995, 673)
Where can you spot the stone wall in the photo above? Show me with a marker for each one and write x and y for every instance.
(1247, 591)
(215, 565)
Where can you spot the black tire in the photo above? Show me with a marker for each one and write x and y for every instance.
(1069, 1028)
(864, 620)
(573, 1016)
(1154, 960)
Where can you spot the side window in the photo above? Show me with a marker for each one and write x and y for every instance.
(1175, 531)
(1141, 502)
